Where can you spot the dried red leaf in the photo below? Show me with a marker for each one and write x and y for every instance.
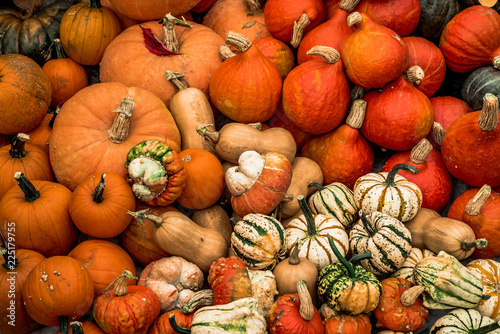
(154, 45)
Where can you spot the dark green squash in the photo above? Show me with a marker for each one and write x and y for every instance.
(32, 34)
(434, 15)
(483, 80)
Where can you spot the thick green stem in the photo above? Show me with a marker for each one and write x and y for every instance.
(77, 328)
(97, 195)
(360, 257)
(95, 4)
(59, 49)
(234, 221)
(175, 327)
(347, 265)
(17, 146)
(140, 216)
(317, 185)
(392, 174)
(63, 323)
(311, 224)
(52, 120)
(487, 329)
(8, 254)
(29, 190)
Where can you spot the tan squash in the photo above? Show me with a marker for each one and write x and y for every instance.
(190, 107)
(431, 231)
(216, 218)
(304, 171)
(236, 138)
(178, 235)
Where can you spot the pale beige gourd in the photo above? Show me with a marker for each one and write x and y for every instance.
(216, 218)
(178, 235)
(190, 107)
(304, 172)
(235, 138)
(429, 230)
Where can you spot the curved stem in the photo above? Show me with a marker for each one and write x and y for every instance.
(478, 243)
(29, 190)
(306, 308)
(488, 328)
(169, 37)
(225, 52)
(357, 114)
(95, 4)
(239, 41)
(488, 118)
(175, 327)
(298, 29)
(8, 253)
(120, 284)
(317, 185)
(233, 221)
(329, 54)
(347, 265)
(474, 206)
(56, 112)
(410, 296)
(294, 254)
(177, 78)
(438, 132)
(97, 195)
(311, 224)
(76, 327)
(17, 146)
(121, 124)
(140, 216)
(59, 49)
(358, 257)
(354, 18)
(63, 323)
(392, 174)
(213, 136)
(421, 151)
(198, 299)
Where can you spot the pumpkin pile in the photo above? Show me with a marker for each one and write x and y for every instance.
(247, 166)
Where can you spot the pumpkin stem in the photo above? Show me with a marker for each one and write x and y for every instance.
(358, 257)
(177, 78)
(239, 41)
(8, 253)
(141, 215)
(234, 221)
(121, 125)
(357, 93)
(354, 18)
(311, 225)
(213, 136)
(76, 327)
(298, 29)
(317, 185)
(29, 190)
(329, 54)
(287, 198)
(474, 206)
(478, 243)
(438, 132)
(198, 299)
(254, 6)
(410, 296)
(414, 74)
(175, 327)
(294, 254)
(59, 49)
(306, 308)
(488, 118)
(225, 52)
(56, 112)
(347, 265)
(99, 190)
(389, 181)
(366, 224)
(356, 114)
(120, 283)
(496, 62)
(169, 37)
(63, 323)
(327, 312)
(17, 146)
(420, 151)
(95, 4)
(348, 5)
(257, 125)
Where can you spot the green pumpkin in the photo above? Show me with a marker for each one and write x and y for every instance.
(347, 288)
(465, 321)
(483, 80)
(32, 36)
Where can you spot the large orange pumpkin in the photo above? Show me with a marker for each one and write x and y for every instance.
(89, 137)
(26, 94)
(145, 10)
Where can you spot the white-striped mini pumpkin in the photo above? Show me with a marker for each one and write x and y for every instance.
(464, 321)
(313, 231)
(488, 271)
(259, 240)
(335, 200)
(385, 237)
(389, 193)
(406, 270)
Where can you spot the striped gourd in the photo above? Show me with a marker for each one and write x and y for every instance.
(389, 193)
(259, 240)
(462, 321)
(488, 271)
(335, 200)
(312, 231)
(447, 283)
(385, 237)
(406, 270)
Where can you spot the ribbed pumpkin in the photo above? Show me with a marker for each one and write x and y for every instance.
(111, 119)
(389, 193)
(471, 146)
(489, 273)
(433, 179)
(464, 321)
(373, 55)
(152, 9)
(435, 14)
(246, 87)
(399, 116)
(26, 94)
(83, 327)
(132, 57)
(316, 93)
(259, 240)
(472, 39)
(313, 231)
(343, 154)
(338, 323)
(483, 80)
(406, 270)
(29, 159)
(335, 200)
(385, 237)
(228, 278)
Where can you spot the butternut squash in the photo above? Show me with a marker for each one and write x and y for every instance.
(216, 218)
(431, 231)
(235, 138)
(190, 108)
(178, 235)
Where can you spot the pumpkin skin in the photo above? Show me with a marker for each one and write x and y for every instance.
(471, 39)
(26, 158)
(90, 205)
(483, 80)
(489, 272)
(343, 323)
(428, 56)
(43, 27)
(199, 47)
(152, 10)
(12, 279)
(462, 321)
(162, 324)
(228, 278)
(125, 21)
(77, 128)
(373, 55)
(280, 120)
(435, 14)
(278, 52)
(26, 94)
(40, 135)
(46, 294)
(104, 260)
(392, 313)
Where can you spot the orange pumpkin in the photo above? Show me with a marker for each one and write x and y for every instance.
(40, 135)
(162, 324)
(278, 52)
(336, 323)
(125, 21)
(58, 289)
(29, 159)
(102, 198)
(86, 327)
(146, 10)
(89, 137)
(205, 179)
(86, 30)
(26, 94)
(104, 260)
